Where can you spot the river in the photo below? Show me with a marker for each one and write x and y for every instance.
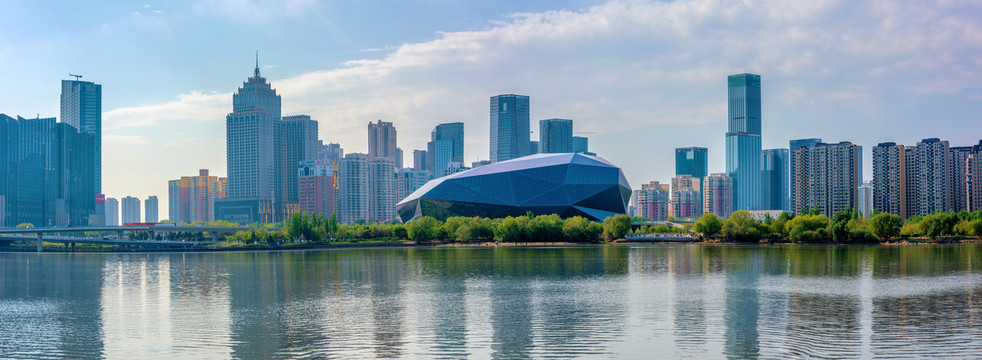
(659, 301)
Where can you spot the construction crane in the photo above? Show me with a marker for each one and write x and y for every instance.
(77, 77)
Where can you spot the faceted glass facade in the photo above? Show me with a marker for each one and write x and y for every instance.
(564, 184)
(743, 140)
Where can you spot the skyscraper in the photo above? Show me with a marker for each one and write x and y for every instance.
(827, 177)
(131, 210)
(743, 140)
(890, 177)
(774, 179)
(692, 161)
(408, 180)
(29, 177)
(192, 198)
(331, 152)
(381, 190)
(717, 197)
(581, 144)
(382, 141)
(112, 212)
(151, 207)
(299, 143)
(555, 136)
(866, 198)
(353, 189)
(420, 161)
(253, 142)
(446, 145)
(933, 176)
(81, 107)
(795, 145)
(509, 127)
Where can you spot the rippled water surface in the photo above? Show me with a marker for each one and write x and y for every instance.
(592, 302)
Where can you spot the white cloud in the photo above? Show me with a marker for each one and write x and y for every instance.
(129, 139)
(194, 106)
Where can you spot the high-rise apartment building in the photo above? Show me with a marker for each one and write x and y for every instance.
(692, 161)
(774, 179)
(743, 140)
(959, 175)
(382, 141)
(112, 212)
(509, 127)
(298, 143)
(827, 177)
(318, 187)
(686, 197)
(331, 152)
(933, 176)
(81, 107)
(192, 198)
(555, 136)
(717, 197)
(151, 207)
(353, 189)
(652, 201)
(131, 210)
(866, 198)
(419, 160)
(408, 180)
(973, 182)
(381, 190)
(890, 177)
(253, 144)
(795, 145)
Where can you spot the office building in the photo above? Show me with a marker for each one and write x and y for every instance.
(686, 199)
(318, 187)
(419, 160)
(112, 212)
(78, 201)
(446, 145)
(353, 190)
(81, 107)
(652, 201)
(717, 197)
(555, 136)
(382, 141)
(408, 180)
(509, 127)
(581, 145)
(29, 180)
(130, 210)
(866, 198)
(692, 161)
(795, 145)
(890, 177)
(151, 207)
(299, 143)
(440, 154)
(774, 179)
(253, 151)
(381, 190)
(827, 177)
(743, 140)
(192, 198)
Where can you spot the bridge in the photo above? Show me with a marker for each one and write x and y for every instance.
(22, 234)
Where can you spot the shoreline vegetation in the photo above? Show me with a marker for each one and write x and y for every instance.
(316, 232)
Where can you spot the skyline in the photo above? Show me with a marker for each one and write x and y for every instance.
(909, 76)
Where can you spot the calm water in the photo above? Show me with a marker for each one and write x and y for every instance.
(594, 302)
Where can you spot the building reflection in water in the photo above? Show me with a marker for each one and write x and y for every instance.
(743, 266)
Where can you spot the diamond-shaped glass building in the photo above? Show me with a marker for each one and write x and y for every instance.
(564, 184)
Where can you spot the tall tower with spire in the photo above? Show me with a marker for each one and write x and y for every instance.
(253, 141)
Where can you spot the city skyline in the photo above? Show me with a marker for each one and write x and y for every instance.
(896, 86)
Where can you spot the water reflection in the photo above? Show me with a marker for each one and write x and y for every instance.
(592, 302)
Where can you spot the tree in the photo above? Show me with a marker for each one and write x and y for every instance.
(779, 225)
(25, 226)
(579, 229)
(512, 229)
(615, 227)
(937, 224)
(545, 228)
(423, 229)
(708, 225)
(973, 228)
(742, 227)
(885, 225)
(808, 228)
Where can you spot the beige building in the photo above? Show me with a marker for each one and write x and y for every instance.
(717, 197)
(651, 202)
(827, 177)
(686, 197)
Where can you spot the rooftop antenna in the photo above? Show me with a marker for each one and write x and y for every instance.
(257, 63)
(77, 77)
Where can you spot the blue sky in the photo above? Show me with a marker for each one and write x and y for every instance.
(639, 77)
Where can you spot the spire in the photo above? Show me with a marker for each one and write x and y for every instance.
(257, 63)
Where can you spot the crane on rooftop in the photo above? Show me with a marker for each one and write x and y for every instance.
(77, 77)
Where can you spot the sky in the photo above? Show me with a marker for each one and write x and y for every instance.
(639, 78)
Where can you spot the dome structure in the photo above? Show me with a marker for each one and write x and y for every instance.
(565, 184)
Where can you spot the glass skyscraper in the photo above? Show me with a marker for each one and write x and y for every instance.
(743, 140)
(555, 136)
(252, 139)
(81, 107)
(446, 145)
(509, 127)
(774, 179)
(692, 161)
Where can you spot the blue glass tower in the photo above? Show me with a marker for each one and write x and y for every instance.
(555, 136)
(692, 161)
(743, 140)
(446, 145)
(81, 107)
(509, 127)
(774, 179)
